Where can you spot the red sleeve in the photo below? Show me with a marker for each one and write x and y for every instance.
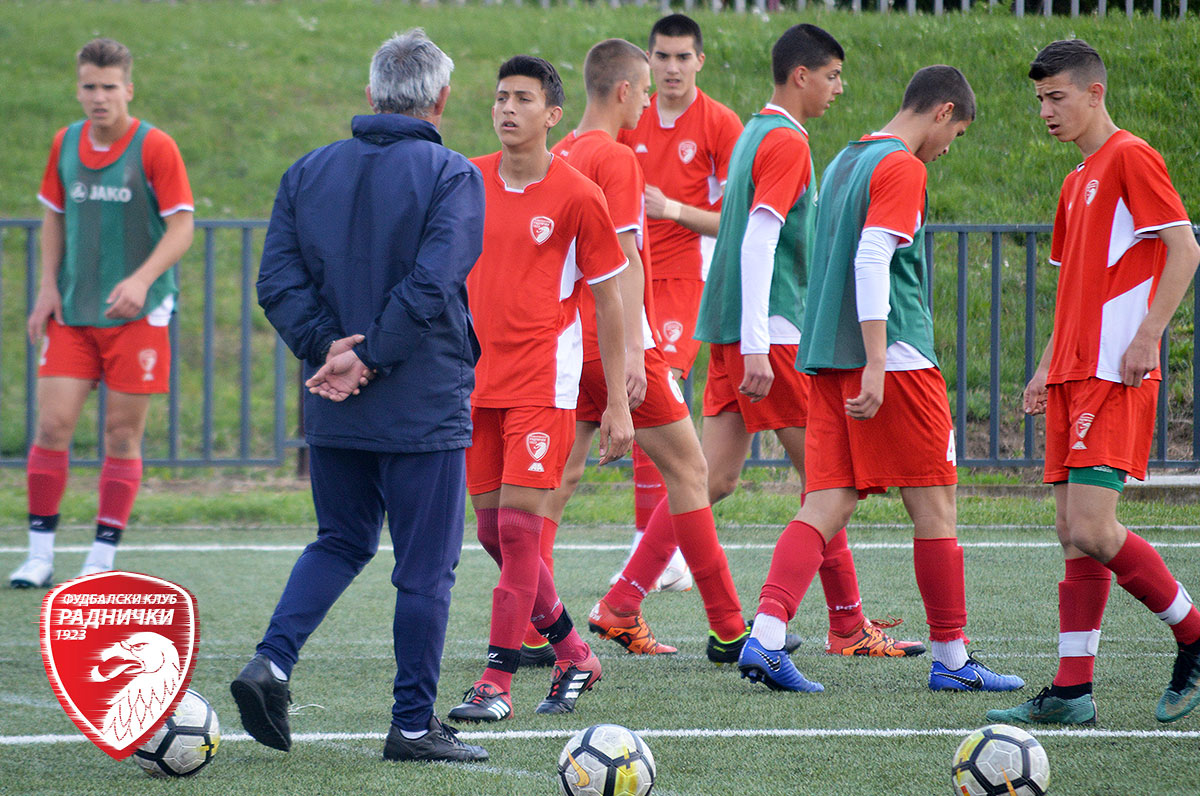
(782, 171)
(1153, 200)
(1058, 236)
(728, 129)
(51, 193)
(620, 177)
(598, 255)
(166, 173)
(897, 195)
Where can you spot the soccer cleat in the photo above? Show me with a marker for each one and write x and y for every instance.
(677, 576)
(440, 743)
(482, 702)
(537, 656)
(631, 631)
(92, 569)
(1045, 708)
(973, 676)
(569, 682)
(871, 641)
(262, 699)
(1183, 694)
(723, 652)
(773, 668)
(34, 573)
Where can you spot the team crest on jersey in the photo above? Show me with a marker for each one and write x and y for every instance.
(641, 149)
(672, 330)
(78, 192)
(541, 228)
(538, 445)
(147, 358)
(1082, 424)
(1089, 193)
(687, 151)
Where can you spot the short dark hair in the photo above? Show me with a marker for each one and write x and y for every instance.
(933, 85)
(610, 62)
(803, 45)
(678, 25)
(539, 69)
(1074, 56)
(104, 53)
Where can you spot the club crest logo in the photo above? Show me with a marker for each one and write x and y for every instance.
(78, 192)
(1082, 424)
(1089, 193)
(119, 649)
(687, 151)
(147, 358)
(672, 331)
(538, 445)
(541, 228)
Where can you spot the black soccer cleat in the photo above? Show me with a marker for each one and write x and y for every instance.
(440, 743)
(568, 684)
(262, 699)
(723, 652)
(482, 702)
(537, 656)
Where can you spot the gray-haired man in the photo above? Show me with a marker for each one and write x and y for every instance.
(363, 273)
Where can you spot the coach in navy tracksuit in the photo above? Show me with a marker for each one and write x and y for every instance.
(362, 274)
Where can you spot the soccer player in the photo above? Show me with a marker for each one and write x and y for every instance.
(546, 230)
(878, 413)
(1126, 255)
(752, 301)
(118, 216)
(617, 77)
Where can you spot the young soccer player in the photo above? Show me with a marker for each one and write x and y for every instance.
(617, 77)
(118, 216)
(546, 229)
(1126, 255)
(878, 413)
(750, 310)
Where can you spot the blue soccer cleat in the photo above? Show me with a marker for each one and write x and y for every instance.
(773, 668)
(973, 676)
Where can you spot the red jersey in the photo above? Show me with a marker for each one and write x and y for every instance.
(688, 161)
(1110, 257)
(161, 162)
(539, 244)
(614, 168)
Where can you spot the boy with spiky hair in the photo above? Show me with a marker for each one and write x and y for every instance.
(868, 333)
(1126, 254)
(118, 216)
(546, 230)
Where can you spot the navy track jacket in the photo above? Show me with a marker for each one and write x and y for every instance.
(375, 235)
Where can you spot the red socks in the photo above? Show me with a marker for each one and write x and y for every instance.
(647, 563)
(1141, 572)
(512, 599)
(798, 555)
(840, 583)
(119, 482)
(648, 488)
(1082, 596)
(696, 535)
(940, 579)
(533, 638)
(46, 478)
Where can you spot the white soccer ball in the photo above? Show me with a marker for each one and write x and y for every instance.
(606, 760)
(185, 742)
(1000, 760)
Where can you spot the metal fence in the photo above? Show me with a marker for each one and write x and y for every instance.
(234, 390)
(1019, 8)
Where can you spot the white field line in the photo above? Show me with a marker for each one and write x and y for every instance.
(523, 735)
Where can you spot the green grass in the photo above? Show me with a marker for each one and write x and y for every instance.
(345, 672)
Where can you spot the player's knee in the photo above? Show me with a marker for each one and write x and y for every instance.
(720, 486)
(53, 433)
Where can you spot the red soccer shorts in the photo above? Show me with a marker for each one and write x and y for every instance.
(134, 357)
(676, 304)
(522, 446)
(1093, 421)
(664, 401)
(786, 405)
(909, 441)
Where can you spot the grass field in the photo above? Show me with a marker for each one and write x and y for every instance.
(876, 730)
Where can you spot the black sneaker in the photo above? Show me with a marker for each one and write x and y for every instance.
(440, 743)
(569, 682)
(537, 656)
(482, 702)
(723, 652)
(262, 699)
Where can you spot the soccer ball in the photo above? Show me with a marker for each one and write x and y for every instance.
(185, 742)
(606, 760)
(1000, 760)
